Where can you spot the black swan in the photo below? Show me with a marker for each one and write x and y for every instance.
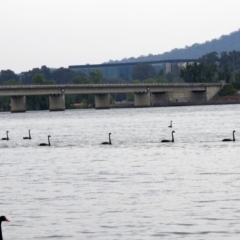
(29, 135)
(7, 138)
(170, 140)
(109, 142)
(46, 144)
(228, 139)
(170, 124)
(2, 219)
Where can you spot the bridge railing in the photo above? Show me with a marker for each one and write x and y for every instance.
(110, 85)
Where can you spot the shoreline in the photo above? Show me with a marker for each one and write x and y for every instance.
(131, 105)
(177, 104)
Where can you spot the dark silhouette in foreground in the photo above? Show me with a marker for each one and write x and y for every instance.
(2, 219)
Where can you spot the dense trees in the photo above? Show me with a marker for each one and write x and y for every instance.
(80, 80)
(227, 89)
(39, 79)
(224, 74)
(143, 71)
(63, 75)
(96, 76)
(27, 77)
(237, 77)
(210, 58)
(11, 82)
(213, 68)
(6, 75)
(199, 72)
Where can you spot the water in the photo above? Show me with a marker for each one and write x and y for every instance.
(137, 188)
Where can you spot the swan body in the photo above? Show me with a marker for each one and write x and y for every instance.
(229, 139)
(2, 219)
(29, 135)
(109, 142)
(170, 124)
(46, 144)
(169, 140)
(7, 138)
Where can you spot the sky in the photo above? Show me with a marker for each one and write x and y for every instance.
(59, 33)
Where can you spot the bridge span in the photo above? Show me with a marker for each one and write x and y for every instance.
(145, 95)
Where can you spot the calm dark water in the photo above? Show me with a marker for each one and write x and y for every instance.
(137, 188)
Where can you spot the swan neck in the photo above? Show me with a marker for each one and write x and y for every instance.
(1, 238)
(109, 139)
(172, 137)
(233, 136)
(48, 144)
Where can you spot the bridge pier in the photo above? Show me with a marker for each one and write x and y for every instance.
(102, 101)
(57, 102)
(159, 98)
(142, 99)
(212, 91)
(18, 104)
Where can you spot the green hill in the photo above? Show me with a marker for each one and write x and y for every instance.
(225, 43)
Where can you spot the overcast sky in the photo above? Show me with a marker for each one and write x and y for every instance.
(59, 33)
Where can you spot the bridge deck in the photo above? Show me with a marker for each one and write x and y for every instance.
(20, 90)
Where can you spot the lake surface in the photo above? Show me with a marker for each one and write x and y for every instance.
(137, 188)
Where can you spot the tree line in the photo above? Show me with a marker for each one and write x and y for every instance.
(212, 67)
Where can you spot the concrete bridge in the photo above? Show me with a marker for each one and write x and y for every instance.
(145, 95)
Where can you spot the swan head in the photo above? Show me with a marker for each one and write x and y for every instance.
(49, 136)
(110, 133)
(4, 219)
(173, 131)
